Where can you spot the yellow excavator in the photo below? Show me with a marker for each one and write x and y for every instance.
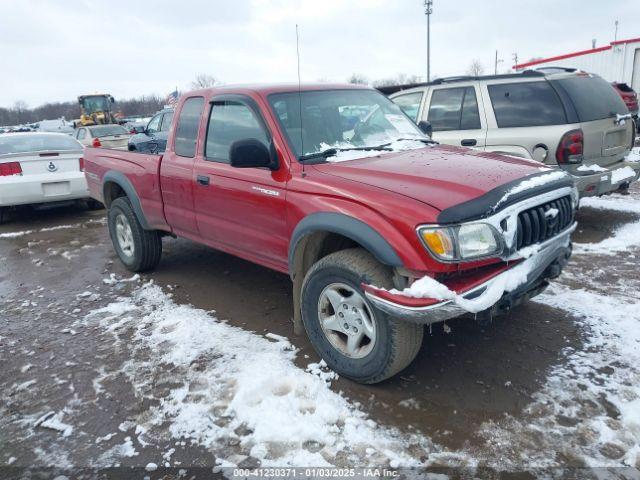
(95, 109)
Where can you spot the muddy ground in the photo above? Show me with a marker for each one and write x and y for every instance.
(461, 379)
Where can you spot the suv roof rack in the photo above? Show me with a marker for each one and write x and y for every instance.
(388, 90)
(555, 69)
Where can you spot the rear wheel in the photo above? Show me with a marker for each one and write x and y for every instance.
(355, 339)
(138, 249)
(3, 214)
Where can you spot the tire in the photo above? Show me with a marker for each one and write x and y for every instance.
(138, 249)
(396, 343)
(3, 214)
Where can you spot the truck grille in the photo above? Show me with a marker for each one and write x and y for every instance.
(535, 225)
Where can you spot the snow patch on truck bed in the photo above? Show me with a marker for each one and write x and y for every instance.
(232, 386)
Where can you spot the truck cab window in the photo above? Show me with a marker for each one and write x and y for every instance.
(187, 128)
(231, 121)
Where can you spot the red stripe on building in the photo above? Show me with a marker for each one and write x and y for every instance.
(561, 57)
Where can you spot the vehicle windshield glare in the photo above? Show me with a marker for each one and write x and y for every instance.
(107, 130)
(334, 120)
(34, 142)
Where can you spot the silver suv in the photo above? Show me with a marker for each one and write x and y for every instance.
(562, 117)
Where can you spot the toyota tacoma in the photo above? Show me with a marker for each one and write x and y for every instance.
(381, 230)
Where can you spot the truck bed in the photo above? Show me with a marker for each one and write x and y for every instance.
(142, 172)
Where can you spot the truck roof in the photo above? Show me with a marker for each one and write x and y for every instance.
(269, 88)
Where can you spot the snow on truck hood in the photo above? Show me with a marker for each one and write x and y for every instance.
(441, 176)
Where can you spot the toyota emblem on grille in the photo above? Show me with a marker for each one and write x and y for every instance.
(552, 217)
(52, 167)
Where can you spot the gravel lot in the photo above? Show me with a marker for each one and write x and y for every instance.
(196, 365)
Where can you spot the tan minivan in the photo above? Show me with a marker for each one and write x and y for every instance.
(562, 117)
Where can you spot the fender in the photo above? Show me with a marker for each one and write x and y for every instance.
(349, 227)
(123, 182)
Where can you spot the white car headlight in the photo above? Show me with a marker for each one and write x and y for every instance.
(461, 242)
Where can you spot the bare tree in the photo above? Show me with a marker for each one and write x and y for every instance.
(204, 80)
(358, 79)
(400, 79)
(475, 69)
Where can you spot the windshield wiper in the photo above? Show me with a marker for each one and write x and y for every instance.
(330, 152)
(428, 141)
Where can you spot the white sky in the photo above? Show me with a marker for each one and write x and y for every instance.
(56, 50)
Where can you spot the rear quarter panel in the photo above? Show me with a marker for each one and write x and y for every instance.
(139, 169)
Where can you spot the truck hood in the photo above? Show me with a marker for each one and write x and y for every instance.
(445, 176)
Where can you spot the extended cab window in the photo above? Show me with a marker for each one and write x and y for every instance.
(187, 128)
(529, 104)
(454, 109)
(409, 103)
(231, 121)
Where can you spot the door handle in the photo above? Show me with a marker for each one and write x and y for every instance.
(202, 180)
(469, 142)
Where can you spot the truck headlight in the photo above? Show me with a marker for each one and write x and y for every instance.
(461, 242)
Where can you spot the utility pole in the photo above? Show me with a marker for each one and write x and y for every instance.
(428, 10)
(496, 63)
(615, 35)
(515, 60)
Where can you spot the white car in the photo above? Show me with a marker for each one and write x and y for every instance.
(38, 167)
(106, 136)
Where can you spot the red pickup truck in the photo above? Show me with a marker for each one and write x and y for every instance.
(380, 229)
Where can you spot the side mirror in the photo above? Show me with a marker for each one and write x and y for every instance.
(251, 153)
(425, 127)
(113, 100)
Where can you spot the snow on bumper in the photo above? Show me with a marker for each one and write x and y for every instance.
(598, 180)
(428, 301)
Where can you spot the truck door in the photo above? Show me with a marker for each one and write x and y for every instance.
(176, 170)
(456, 116)
(242, 210)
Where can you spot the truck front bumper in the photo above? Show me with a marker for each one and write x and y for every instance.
(550, 260)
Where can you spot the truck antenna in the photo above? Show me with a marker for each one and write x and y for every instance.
(300, 97)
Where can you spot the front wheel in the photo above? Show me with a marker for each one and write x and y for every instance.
(138, 249)
(356, 340)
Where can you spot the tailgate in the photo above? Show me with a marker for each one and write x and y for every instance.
(605, 142)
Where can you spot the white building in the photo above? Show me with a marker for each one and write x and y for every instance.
(617, 62)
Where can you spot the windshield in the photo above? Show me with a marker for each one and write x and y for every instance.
(107, 130)
(593, 97)
(33, 142)
(96, 104)
(342, 120)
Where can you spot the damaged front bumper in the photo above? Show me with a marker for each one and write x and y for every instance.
(550, 259)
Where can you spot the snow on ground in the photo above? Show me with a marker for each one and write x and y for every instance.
(621, 239)
(588, 413)
(234, 387)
